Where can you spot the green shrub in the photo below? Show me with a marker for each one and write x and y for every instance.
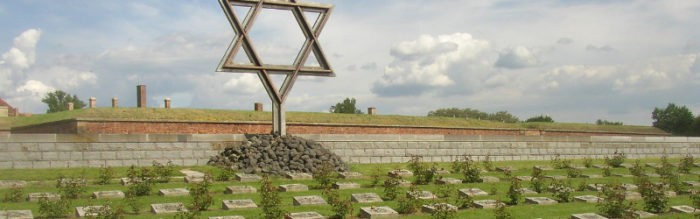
(500, 212)
(573, 172)
(140, 181)
(457, 165)
(587, 162)
(391, 188)
(686, 163)
(163, 173)
(444, 190)
(70, 188)
(695, 198)
(324, 176)
(614, 204)
(582, 186)
(488, 165)
(375, 177)
(666, 169)
(15, 194)
(537, 173)
(422, 174)
(470, 171)
(537, 184)
(493, 190)
(606, 172)
(617, 159)
(515, 193)
(270, 199)
(201, 199)
(637, 169)
(443, 211)
(655, 200)
(54, 208)
(674, 182)
(562, 190)
(559, 163)
(464, 201)
(410, 203)
(106, 175)
(225, 173)
(341, 208)
(133, 202)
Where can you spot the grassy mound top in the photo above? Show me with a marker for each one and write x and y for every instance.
(210, 115)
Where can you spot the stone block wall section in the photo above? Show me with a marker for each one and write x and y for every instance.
(25, 151)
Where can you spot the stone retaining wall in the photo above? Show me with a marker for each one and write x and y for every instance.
(25, 151)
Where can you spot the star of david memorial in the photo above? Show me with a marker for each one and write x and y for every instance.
(366, 168)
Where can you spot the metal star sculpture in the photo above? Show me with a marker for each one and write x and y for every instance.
(242, 23)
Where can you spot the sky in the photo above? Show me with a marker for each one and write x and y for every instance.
(577, 61)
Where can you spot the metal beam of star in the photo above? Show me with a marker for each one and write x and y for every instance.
(242, 24)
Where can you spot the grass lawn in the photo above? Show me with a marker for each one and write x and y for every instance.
(44, 180)
(309, 117)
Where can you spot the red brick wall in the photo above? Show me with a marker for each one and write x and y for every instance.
(146, 127)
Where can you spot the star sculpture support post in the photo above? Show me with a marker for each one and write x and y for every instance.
(242, 23)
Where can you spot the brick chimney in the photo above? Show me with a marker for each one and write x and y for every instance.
(141, 96)
(115, 102)
(258, 107)
(371, 111)
(93, 102)
(167, 103)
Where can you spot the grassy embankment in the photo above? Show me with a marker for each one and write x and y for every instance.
(309, 117)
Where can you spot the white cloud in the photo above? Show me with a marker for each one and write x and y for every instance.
(426, 62)
(605, 48)
(244, 83)
(34, 89)
(516, 57)
(144, 10)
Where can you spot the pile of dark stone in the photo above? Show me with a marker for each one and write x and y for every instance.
(274, 154)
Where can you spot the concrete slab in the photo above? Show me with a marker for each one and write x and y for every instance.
(6, 184)
(298, 176)
(240, 190)
(591, 176)
(442, 172)
(238, 204)
(168, 208)
(691, 183)
(489, 179)
(350, 175)
(543, 167)
(34, 197)
(540, 201)
(447, 180)
(244, 177)
(174, 192)
(472, 192)
(628, 186)
(630, 195)
(378, 212)
(304, 215)
(227, 217)
(346, 185)
(588, 198)
(365, 198)
(192, 173)
(587, 216)
(16, 214)
(108, 194)
(400, 173)
(504, 169)
(526, 191)
(430, 208)
(193, 179)
(293, 188)
(423, 195)
(404, 183)
(89, 211)
(309, 200)
(683, 209)
(555, 177)
(524, 178)
(644, 214)
(486, 203)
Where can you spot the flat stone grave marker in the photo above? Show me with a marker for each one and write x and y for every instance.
(526, 191)
(400, 173)
(696, 164)
(587, 216)
(504, 169)
(447, 180)
(652, 174)
(227, 217)
(555, 177)
(298, 176)
(192, 173)
(79, 181)
(244, 177)
(378, 212)
(168, 208)
(591, 176)
(588, 198)
(644, 214)
(193, 179)
(346, 185)
(309, 200)
(653, 165)
(240, 189)
(578, 167)
(423, 195)
(430, 208)
(405, 183)
(543, 168)
(238, 204)
(293, 188)
(540, 200)
(6, 184)
(304, 215)
(628, 186)
(108, 194)
(524, 178)
(626, 165)
(600, 166)
(350, 175)
(89, 211)
(670, 193)
(174, 192)
(16, 214)
(691, 183)
(442, 172)
(489, 179)
(125, 181)
(34, 197)
(365, 197)
(683, 209)
(622, 175)
(486, 203)
(472, 192)
(596, 187)
(630, 195)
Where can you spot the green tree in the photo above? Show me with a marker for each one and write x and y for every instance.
(58, 101)
(696, 126)
(347, 106)
(606, 122)
(540, 118)
(500, 116)
(674, 119)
